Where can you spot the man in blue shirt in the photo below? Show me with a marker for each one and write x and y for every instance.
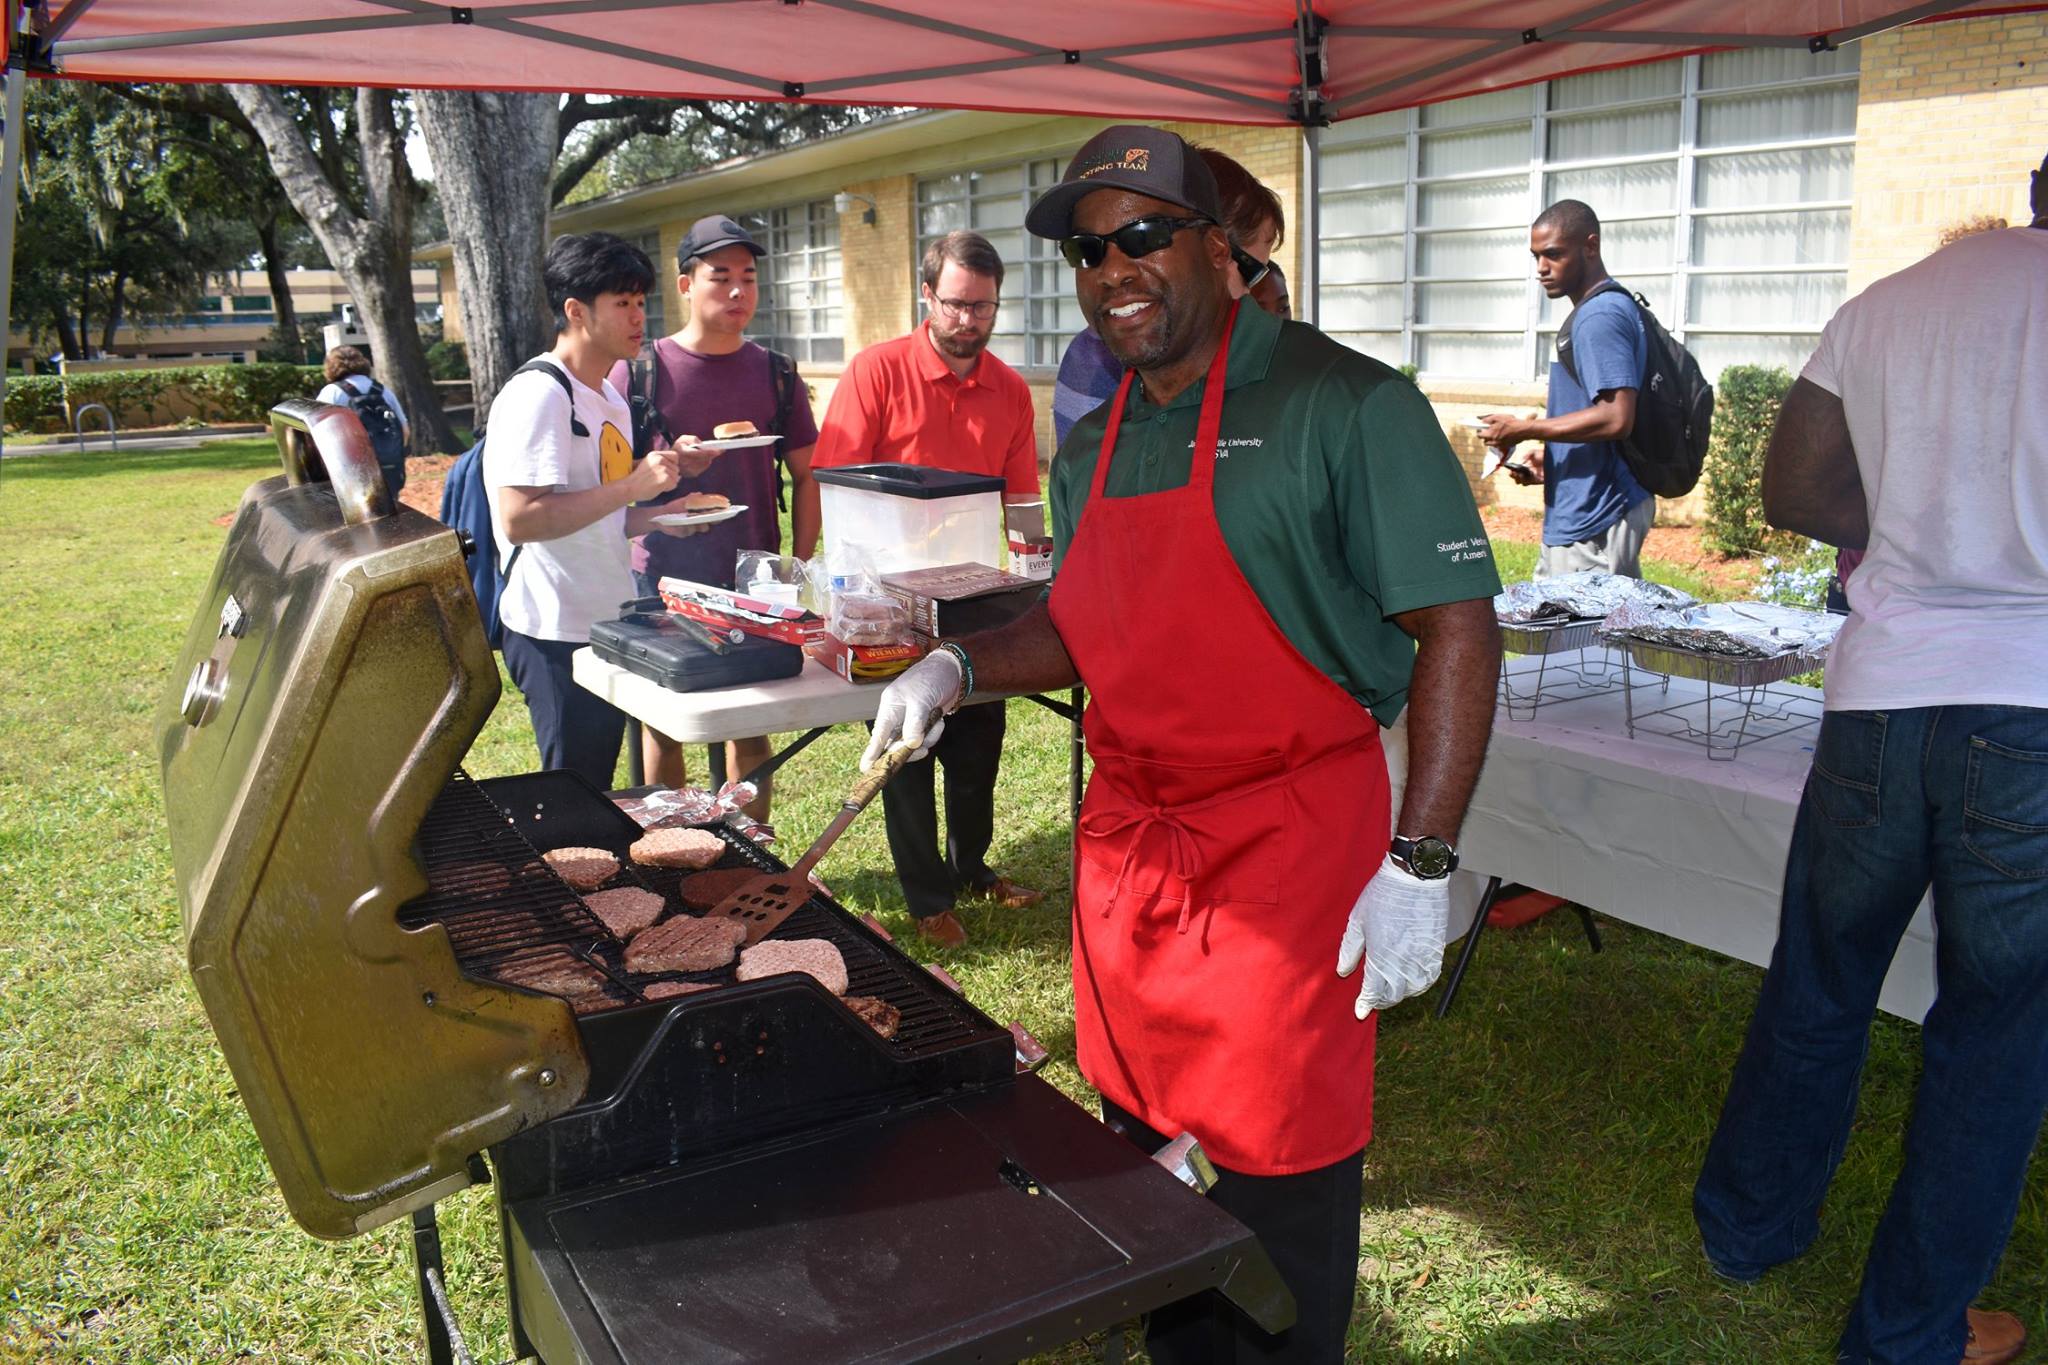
(1595, 514)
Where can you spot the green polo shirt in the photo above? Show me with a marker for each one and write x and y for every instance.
(1336, 492)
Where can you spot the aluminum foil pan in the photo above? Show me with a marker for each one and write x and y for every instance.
(1747, 630)
(1555, 636)
(1728, 670)
(1585, 596)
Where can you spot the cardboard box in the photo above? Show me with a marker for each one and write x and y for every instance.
(723, 610)
(1031, 557)
(959, 599)
(862, 663)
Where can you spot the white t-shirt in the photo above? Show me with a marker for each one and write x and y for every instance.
(348, 386)
(557, 588)
(1943, 372)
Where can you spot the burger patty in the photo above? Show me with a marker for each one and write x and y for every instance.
(586, 869)
(554, 974)
(812, 956)
(686, 943)
(691, 848)
(879, 1015)
(625, 910)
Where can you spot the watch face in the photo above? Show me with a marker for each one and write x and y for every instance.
(1430, 857)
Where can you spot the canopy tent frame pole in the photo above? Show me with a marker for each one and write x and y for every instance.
(10, 185)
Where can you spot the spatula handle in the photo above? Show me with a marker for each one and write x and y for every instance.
(874, 779)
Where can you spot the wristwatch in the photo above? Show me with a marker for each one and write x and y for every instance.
(1428, 857)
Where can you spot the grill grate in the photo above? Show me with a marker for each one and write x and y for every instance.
(507, 913)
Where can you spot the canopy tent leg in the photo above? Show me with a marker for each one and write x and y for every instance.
(10, 184)
(1305, 290)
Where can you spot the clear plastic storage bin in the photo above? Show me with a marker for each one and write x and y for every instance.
(910, 517)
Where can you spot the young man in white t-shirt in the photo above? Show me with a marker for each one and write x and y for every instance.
(560, 475)
(1920, 431)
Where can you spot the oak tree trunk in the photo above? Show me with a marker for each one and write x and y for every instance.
(493, 153)
(370, 247)
(287, 314)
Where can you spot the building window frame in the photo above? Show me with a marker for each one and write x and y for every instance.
(1354, 271)
(1040, 314)
(802, 309)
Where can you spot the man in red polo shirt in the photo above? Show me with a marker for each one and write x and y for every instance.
(937, 398)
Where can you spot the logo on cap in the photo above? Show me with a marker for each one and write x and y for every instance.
(1137, 158)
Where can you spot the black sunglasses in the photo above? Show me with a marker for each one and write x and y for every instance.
(1139, 237)
(1250, 268)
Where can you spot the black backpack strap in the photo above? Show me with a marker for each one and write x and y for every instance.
(784, 371)
(1564, 330)
(560, 376)
(643, 399)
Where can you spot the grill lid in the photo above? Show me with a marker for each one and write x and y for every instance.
(333, 678)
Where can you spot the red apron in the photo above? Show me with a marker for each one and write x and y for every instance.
(1238, 806)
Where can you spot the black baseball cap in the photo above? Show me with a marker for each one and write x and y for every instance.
(1129, 156)
(707, 235)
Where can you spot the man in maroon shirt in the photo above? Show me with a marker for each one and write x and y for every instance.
(937, 398)
(705, 375)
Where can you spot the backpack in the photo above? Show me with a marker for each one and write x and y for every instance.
(1674, 406)
(650, 427)
(387, 437)
(466, 509)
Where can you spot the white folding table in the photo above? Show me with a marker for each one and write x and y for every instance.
(1652, 832)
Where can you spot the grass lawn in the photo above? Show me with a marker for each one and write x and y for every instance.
(1527, 1192)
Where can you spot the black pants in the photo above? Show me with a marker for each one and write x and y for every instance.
(933, 874)
(576, 728)
(1308, 1224)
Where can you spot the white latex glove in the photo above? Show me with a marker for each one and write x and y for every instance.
(914, 706)
(1399, 927)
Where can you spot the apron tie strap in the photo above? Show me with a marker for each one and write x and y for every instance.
(1185, 854)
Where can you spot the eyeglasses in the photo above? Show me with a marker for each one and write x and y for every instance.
(1250, 268)
(1139, 237)
(981, 310)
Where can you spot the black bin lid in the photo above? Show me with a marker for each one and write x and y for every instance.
(909, 480)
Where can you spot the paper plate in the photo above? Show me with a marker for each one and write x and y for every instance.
(704, 518)
(738, 443)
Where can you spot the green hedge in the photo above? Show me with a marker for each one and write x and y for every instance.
(1746, 404)
(221, 393)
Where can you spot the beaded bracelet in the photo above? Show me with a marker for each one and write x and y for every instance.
(966, 671)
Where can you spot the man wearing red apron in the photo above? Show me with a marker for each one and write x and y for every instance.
(1265, 550)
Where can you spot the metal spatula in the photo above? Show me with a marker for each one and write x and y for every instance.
(765, 899)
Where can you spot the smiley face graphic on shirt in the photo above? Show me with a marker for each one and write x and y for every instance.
(614, 454)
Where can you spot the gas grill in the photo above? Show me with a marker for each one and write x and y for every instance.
(748, 1172)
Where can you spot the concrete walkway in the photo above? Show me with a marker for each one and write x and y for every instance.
(140, 441)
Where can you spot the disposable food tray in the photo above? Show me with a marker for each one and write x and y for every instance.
(1532, 638)
(1726, 670)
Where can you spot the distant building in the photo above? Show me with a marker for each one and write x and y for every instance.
(231, 324)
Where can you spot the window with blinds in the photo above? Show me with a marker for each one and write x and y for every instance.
(1039, 315)
(1722, 183)
(801, 308)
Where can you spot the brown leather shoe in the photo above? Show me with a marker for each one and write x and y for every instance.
(1994, 1338)
(943, 930)
(1008, 894)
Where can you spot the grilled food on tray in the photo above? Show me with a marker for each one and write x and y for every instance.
(625, 910)
(586, 869)
(685, 944)
(879, 1015)
(691, 848)
(815, 957)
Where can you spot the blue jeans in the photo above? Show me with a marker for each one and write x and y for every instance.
(1955, 796)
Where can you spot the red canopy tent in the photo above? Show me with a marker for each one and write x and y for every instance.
(1302, 62)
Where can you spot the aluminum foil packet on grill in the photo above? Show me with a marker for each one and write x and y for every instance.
(1748, 630)
(1588, 595)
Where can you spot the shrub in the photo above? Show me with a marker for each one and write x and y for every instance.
(219, 393)
(448, 360)
(35, 403)
(1745, 409)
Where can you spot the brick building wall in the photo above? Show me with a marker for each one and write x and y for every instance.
(1950, 117)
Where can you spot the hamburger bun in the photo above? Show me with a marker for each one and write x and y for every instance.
(703, 502)
(726, 431)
